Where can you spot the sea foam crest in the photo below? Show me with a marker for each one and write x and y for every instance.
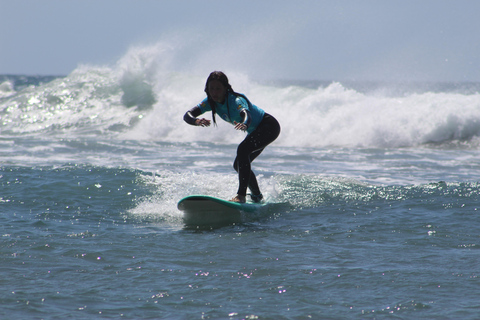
(326, 116)
(6, 89)
(329, 115)
(145, 95)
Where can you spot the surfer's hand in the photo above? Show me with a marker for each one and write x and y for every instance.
(202, 122)
(240, 126)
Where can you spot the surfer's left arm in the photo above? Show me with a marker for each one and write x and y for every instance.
(247, 119)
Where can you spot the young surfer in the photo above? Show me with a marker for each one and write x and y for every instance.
(262, 128)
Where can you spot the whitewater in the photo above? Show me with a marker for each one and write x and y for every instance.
(376, 186)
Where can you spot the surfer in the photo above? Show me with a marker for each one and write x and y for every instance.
(261, 127)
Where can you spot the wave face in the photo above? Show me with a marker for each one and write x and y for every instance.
(144, 96)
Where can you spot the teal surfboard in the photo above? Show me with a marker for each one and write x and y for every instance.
(201, 210)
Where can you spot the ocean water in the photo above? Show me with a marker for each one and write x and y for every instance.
(374, 190)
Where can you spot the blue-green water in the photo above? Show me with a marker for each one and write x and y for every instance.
(377, 217)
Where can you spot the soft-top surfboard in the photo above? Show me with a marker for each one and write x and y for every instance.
(201, 210)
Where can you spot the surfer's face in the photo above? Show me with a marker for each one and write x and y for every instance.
(217, 91)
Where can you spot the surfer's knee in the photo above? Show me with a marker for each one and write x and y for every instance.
(243, 148)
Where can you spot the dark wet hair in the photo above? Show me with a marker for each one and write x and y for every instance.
(222, 78)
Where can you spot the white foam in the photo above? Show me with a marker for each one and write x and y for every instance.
(6, 89)
(171, 187)
(145, 95)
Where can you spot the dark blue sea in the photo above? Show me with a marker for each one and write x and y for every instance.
(375, 192)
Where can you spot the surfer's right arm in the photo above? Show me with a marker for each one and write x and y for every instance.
(191, 115)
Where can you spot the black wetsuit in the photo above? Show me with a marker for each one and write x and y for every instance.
(250, 148)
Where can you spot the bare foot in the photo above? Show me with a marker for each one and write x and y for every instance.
(239, 199)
